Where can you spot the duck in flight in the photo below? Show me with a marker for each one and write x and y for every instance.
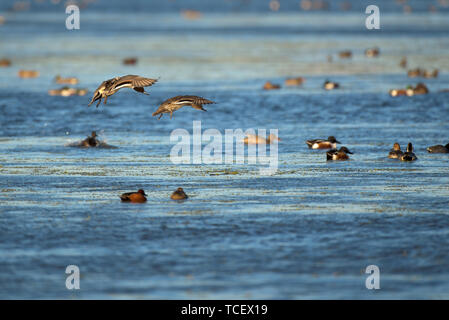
(109, 87)
(175, 103)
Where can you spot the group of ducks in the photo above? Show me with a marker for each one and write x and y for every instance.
(140, 196)
(109, 87)
(395, 152)
(330, 143)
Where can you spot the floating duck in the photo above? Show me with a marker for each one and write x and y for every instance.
(396, 152)
(191, 14)
(66, 92)
(178, 194)
(254, 139)
(420, 89)
(91, 141)
(430, 74)
(372, 52)
(109, 87)
(345, 54)
(129, 61)
(335, 154)
(136, 197)
(329, 85)
(294, 81)
(70, 80)
(409, 155)
(330, 143)
(403, 63)
(175, 103)
(438, 149)
(28, 74)
(270, 86)
(5, 62)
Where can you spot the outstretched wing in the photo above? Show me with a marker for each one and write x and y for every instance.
(188, 100)
(133, 81)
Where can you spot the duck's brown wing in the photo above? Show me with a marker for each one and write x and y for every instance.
(133, 81)
(191, 100)
(125, 196)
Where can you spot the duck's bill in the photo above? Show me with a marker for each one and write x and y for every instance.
(350, 152)
(336, 141)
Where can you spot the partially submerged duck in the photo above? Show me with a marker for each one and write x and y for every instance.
(135, 197)
(28, 74)
(396, 152)
(409, 155)
(335, 154)
(67, 92)
(372, 52)
(91, 141)
(438, 149)
(329, 85)
(330, 143)
(270, 86)
(254, 139)
(69, 80)
(294, 81)
(178, 194)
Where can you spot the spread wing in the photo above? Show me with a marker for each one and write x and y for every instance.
(188, 100)
(133, 81)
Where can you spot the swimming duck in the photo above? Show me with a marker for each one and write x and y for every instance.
(294, 81)
(66, 92)
(414, 73)
(420, 89)
(253, 139)
(178, 194)
(330, 143)
(129, 61)
(335, 154)
(270, 86)
(329, 85)
(396, 152)
(70, 80)
(428, 74)
(109, 87)
(175, 103)
(372, 52)
(28, 74)
(345, 54)
(401, 92)
(136, 197)
(403, 63)
(5, 62)
(438, 149)
(91, 141)
(409, 155)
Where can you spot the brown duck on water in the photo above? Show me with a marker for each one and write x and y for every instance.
(175, 103)
(109, 87)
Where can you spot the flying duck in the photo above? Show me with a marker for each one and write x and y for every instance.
(109, 87)
(330, 143)
(175, 103)
(137, 197)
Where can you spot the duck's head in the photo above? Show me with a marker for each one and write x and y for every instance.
(409, 147)
(447, 146)
(180, 190)
(94, 134)
(396, 147)
(345, 150)
(141, 192)
(332, 139)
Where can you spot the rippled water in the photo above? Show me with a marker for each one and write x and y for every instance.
(308, 231)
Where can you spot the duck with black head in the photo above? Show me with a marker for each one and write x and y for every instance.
(409, 155)
(341, 154)
(330, 143)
